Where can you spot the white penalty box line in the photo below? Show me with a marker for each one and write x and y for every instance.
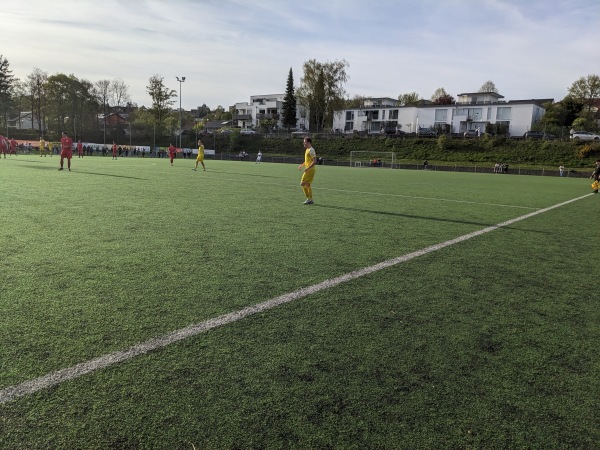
(63, 375)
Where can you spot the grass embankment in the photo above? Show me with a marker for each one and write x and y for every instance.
(438, 150)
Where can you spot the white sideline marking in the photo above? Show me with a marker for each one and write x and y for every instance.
(428, 198)
(295, 186)
(29, 387)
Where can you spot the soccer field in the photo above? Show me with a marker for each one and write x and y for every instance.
(150, 306)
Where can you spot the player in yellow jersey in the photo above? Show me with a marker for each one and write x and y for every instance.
(309, 169)
(200, 157)
(42, 146)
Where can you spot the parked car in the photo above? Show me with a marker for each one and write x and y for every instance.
(226, 131)
(299, 133)
(470, 133)
(585, 136)
(248, 131)
(426, 132)
(538, 135)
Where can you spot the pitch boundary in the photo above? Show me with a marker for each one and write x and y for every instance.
(63, 375)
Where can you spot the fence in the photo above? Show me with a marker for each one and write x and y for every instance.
(511, 170)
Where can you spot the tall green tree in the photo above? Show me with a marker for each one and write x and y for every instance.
(322, 92)
(6, 89)
(289, 118)
(71, 105)
(162, 99)
(586, 89)
(562, 113)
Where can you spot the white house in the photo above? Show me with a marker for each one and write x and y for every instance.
(471, 111)
(249, 115)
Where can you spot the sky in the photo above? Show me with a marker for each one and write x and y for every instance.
(229, 50)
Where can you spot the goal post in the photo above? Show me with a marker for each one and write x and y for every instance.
(372, 159)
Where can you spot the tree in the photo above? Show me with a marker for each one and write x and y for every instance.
(410, 99)
(119, 97)
(441, 97)
(357, 102)
(6, 87)
(266, 125)
(321, 91)
(102, 91)
(488, 86)
(36, 87)
(119, 94)
(585, 90)
(162, 99)
(20, 99)
(563, 113)
(71, 104)
(289, 119)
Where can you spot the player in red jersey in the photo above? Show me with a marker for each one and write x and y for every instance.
(3, 145)
(114, 150)
(13, 147)
(172, 151)
(66, 144)
(79, 149)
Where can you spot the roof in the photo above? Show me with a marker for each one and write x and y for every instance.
(493, 94)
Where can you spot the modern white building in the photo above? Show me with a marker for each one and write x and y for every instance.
(471, 111)
(249, 115)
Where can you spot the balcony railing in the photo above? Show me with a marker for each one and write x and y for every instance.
(268, 116)
(242, 117)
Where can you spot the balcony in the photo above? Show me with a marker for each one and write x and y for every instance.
(242, 117)
(268, 116)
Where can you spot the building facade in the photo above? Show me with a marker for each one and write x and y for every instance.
(471, 111)
(260, 107)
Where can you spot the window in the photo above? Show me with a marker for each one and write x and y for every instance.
(503, 113)
(349, 126)
(441, 115)
(393, 114)
(349, 115)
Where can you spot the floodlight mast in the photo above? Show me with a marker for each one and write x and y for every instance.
(180, 81)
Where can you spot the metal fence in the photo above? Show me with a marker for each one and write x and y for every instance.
(510, 170)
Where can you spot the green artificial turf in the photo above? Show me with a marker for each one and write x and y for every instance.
(488, 343)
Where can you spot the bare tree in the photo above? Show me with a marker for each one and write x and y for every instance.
(102, 90)
(36, 87)
(119, 94)
(488, 86)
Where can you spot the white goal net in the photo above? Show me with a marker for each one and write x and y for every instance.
(372, 159)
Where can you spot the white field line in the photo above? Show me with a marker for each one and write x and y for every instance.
(427, 198)
(346, 191)
(29, 387)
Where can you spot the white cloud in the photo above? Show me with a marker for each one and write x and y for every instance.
(231, 49)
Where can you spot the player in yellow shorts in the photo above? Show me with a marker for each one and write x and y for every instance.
(42, 147)
(200, 157)
(309, 169)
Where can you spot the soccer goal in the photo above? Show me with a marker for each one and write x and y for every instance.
(372, 159)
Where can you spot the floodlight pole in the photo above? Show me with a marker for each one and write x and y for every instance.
(180, 81)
